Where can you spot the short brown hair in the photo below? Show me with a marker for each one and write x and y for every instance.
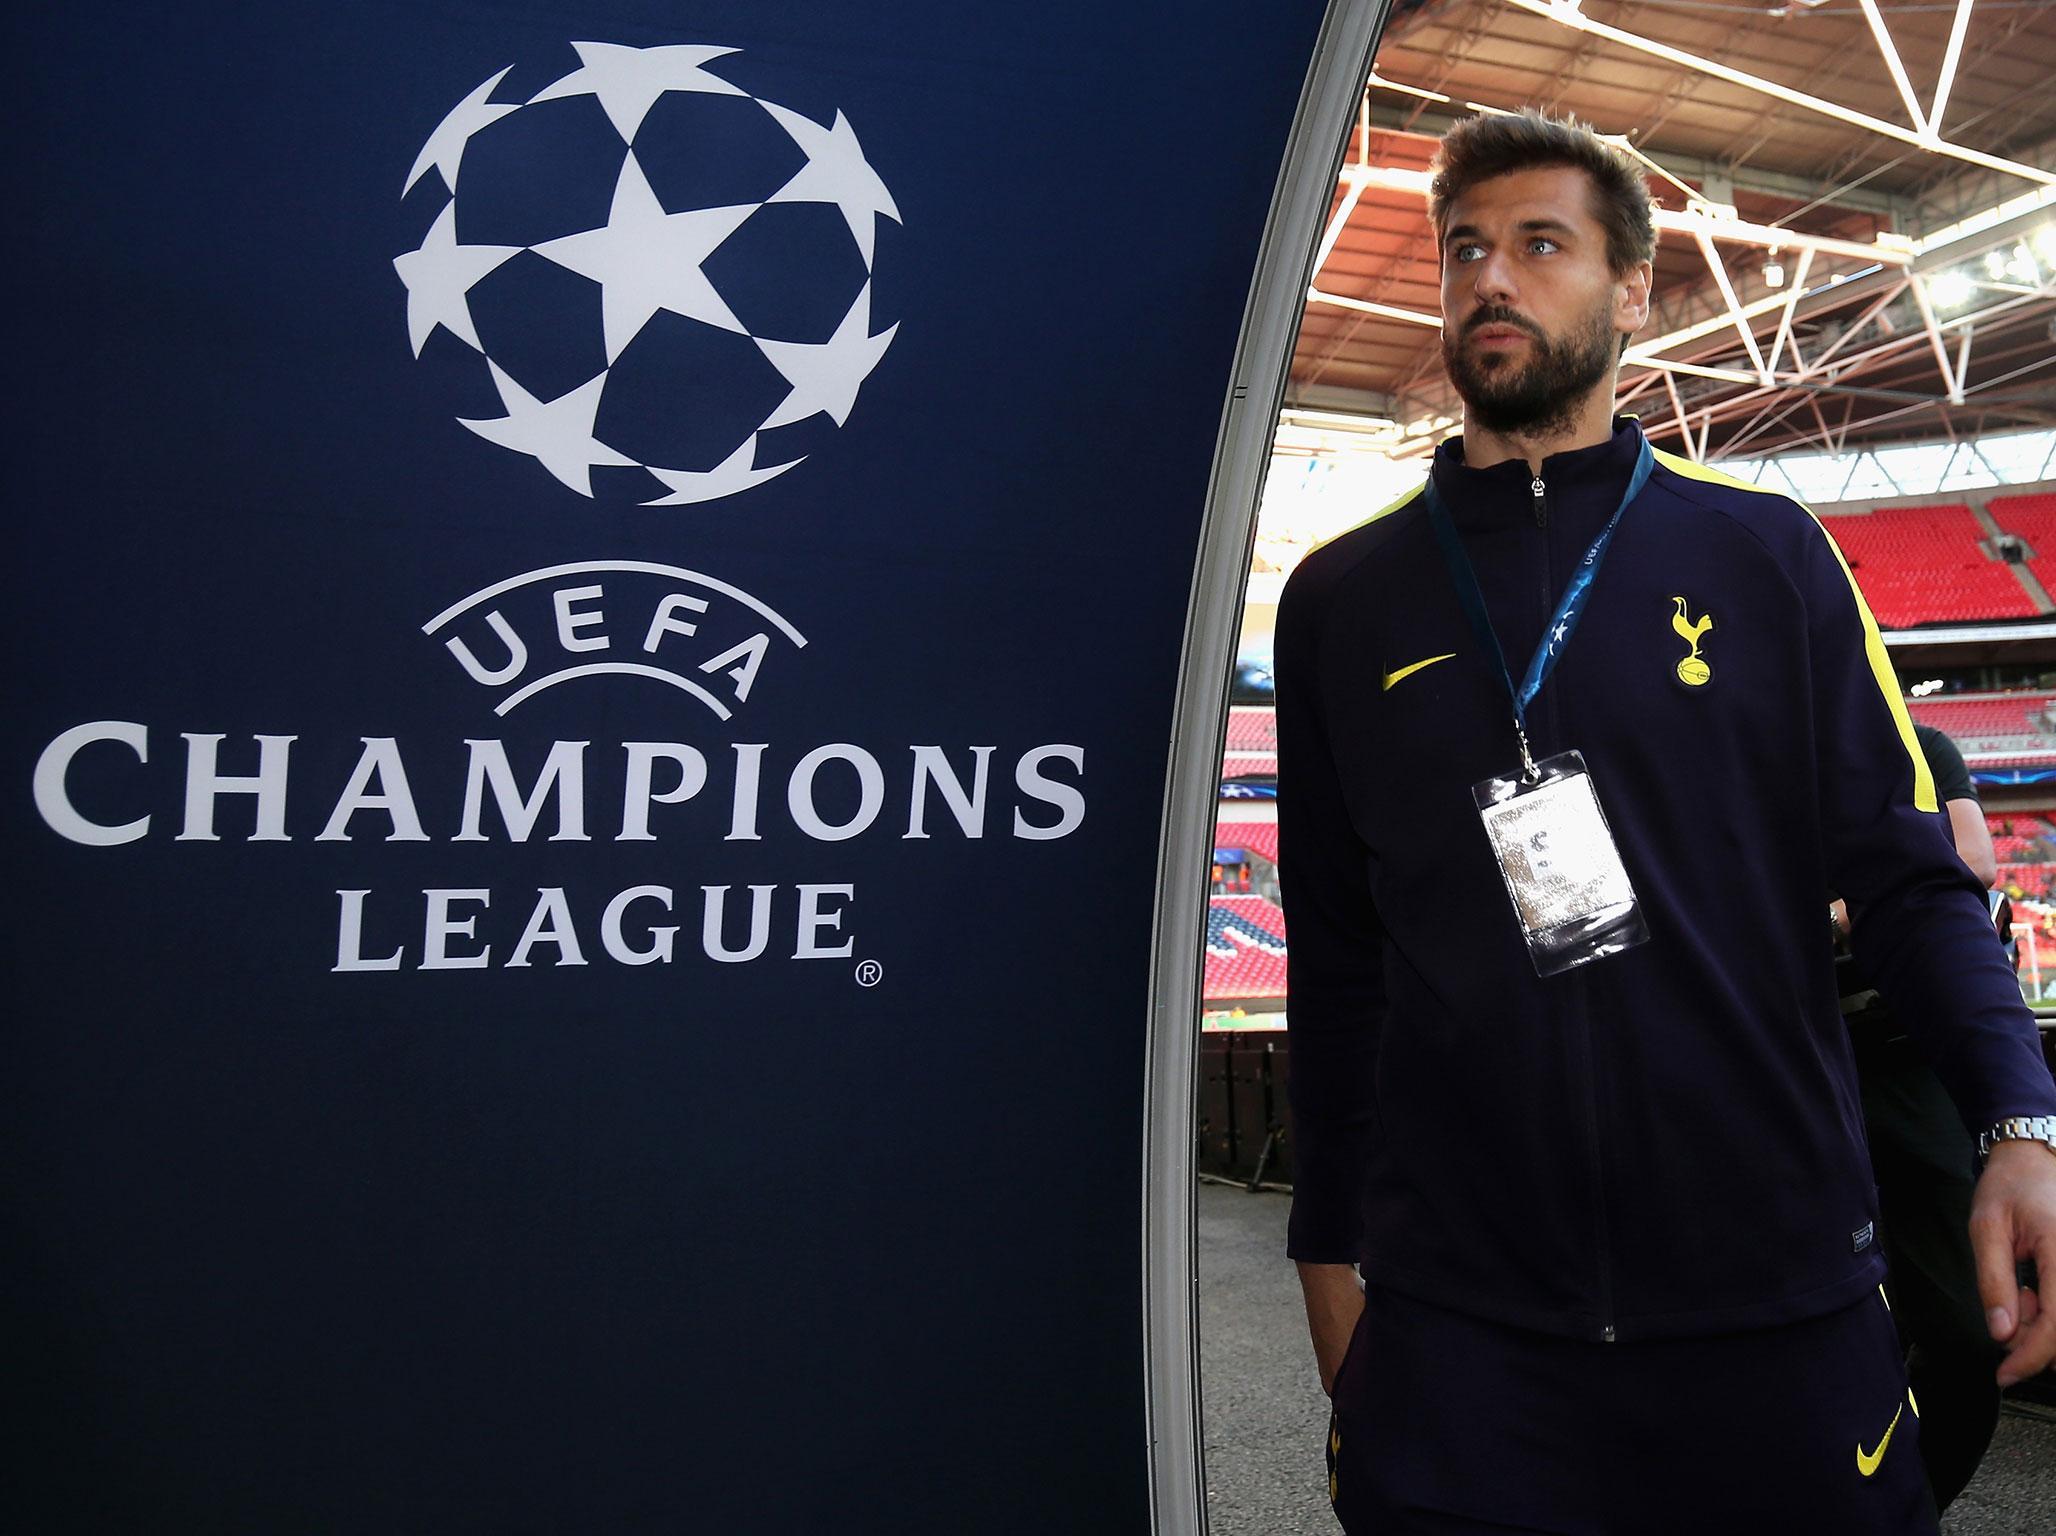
(1483, 147)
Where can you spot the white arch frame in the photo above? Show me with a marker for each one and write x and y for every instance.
(1270, 326)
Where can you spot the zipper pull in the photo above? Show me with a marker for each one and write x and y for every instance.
(1539, 491)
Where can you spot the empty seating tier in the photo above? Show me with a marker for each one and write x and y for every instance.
(2034, 519)
(1990, 722)
(1252, 745)
(2021, 850)
(1258, 837)
(1245, 949)
(2031, 825)
(2032, 880)
(1251, 729)
(1922, 565)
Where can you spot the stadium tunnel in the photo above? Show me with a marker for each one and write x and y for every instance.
(1854, 304)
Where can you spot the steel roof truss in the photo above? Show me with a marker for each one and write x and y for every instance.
(1743, 328)
(1678, 417)
(1894, 67)
(1566, 13)
(1784, 334)
(1949, 61)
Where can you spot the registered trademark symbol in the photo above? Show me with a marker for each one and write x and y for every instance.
(869, 973)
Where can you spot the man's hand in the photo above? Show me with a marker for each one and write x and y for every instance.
(1334, 1301)
(2014, 1218)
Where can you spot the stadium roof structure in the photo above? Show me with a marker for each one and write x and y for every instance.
(1857, 214)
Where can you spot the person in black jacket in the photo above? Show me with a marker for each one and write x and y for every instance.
(1924, 1163)
(1598, 1152)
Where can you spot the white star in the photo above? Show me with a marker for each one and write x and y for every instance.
(1561, 631)
(836, 172)
(645, 259)
(628, 81)
(558, 432)
(737, 472)
(439, 275)
(445, 147)
(826, 377)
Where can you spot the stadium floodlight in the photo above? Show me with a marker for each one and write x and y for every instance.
(2021, 265)
(1951, 290)
(1987, 218)
(1995, 263)
(1774, 272)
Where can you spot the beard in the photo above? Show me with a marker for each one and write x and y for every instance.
(1540, 397)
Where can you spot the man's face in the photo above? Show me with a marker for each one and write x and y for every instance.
(1531, 312)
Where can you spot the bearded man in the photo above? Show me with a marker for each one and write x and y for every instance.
(1569, 1077)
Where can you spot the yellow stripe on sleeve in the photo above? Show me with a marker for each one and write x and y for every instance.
(1873, 642)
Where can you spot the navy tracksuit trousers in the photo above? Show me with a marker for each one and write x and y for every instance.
(1445, 1425)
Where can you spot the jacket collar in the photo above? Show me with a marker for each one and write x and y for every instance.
(1581, 488)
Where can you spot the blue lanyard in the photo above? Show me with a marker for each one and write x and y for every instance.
(1569, 610)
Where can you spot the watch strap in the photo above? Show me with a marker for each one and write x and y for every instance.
(2040, 1128)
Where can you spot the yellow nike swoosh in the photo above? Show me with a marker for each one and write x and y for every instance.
(1867, 1464)
(1405, 672)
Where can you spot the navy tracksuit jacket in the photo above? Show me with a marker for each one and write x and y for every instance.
(1666, 1142)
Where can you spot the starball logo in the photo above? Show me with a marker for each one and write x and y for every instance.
(697, 253)
(683, 636)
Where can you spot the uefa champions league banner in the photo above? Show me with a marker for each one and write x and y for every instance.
(596, 599)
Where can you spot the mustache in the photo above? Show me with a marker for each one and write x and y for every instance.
(1499, 315)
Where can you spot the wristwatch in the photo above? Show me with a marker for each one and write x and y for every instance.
(2040, 1128)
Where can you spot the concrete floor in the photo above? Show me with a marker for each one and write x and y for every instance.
(1265, 1415)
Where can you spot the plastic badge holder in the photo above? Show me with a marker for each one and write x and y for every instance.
(1570, 892)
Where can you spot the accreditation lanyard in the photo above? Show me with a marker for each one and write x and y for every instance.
(1569, 610)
